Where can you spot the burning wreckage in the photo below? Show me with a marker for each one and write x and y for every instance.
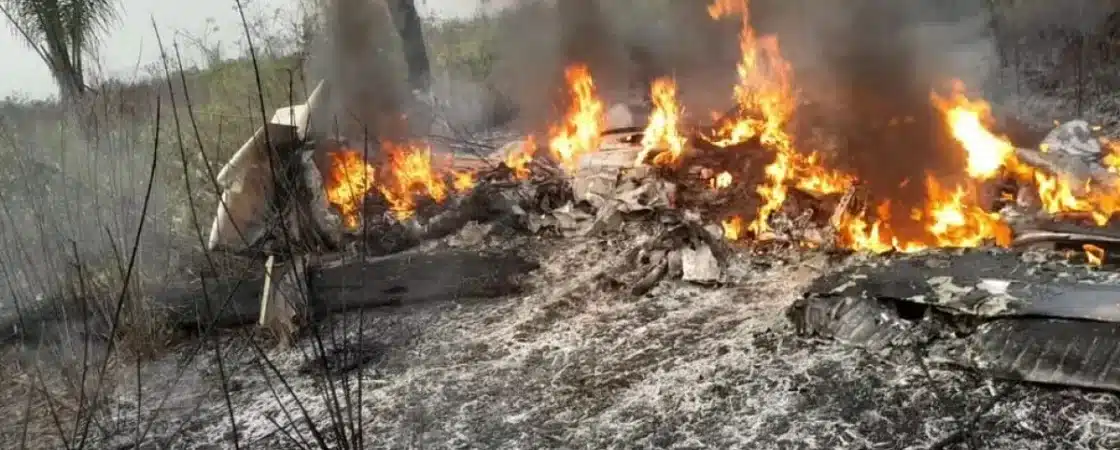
(1000, 269)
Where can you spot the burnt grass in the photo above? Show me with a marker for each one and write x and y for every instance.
(571, 364)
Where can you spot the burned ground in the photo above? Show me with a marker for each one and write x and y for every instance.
(574, 364)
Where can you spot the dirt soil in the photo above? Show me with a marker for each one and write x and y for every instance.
(570, 364)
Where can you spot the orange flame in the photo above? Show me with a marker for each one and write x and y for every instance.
(583, 124)
(1095, 255)
(663, 132)
(764, 88)
(347, 182)
(411, 175)
(951, 218)
(813, 177)
(721, 8)
(518, 159)
(732, 228)
(1112, 157)
(986, 153)
(721, 181)
(462, 181)
(766, 100)
(955, 220)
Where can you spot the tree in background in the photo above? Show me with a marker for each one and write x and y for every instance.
(407, 20)
(63, 33)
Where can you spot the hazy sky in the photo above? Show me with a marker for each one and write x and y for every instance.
(132, 42)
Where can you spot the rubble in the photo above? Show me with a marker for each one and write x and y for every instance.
(1053, 234)
(1074, 138)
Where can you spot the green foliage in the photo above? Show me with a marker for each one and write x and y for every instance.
(464, 47)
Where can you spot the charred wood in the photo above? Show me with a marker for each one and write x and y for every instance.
(342, 282)
(485, 203)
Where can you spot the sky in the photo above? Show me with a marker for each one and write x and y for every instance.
(130, 47)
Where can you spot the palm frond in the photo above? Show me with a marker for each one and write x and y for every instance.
(62, 32)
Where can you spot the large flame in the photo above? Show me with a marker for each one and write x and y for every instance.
(580, 131)
(347, 182)
(766, 100)
(986, 152)
(951, 217)
(409, 176)
(764, 93)
(989, 154)
(663, 131)
(955, 219)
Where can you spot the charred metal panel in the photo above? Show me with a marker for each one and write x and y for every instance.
(1008, 314)
(1052, 351)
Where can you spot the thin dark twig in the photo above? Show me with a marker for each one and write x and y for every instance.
(224, 379)
(83, 376)
(272, 164)
(132, 258)
(210, 175)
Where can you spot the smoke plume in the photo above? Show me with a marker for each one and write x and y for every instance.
(358, 54)
(625, 44)
(868, 68)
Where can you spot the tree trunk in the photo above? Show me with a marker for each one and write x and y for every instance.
(407, 20)
(71, 85)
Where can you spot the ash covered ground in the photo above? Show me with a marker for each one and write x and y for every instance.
(573, 364)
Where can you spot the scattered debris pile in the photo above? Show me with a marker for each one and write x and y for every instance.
(1031, 316)
(1073, 197)
(747, 182)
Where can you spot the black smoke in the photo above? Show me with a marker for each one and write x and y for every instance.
(867, 69)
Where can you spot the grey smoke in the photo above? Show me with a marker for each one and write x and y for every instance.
(358, 54)
(625, 43)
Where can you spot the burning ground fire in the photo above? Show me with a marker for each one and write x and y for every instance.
(952, 215)
(408, 177)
